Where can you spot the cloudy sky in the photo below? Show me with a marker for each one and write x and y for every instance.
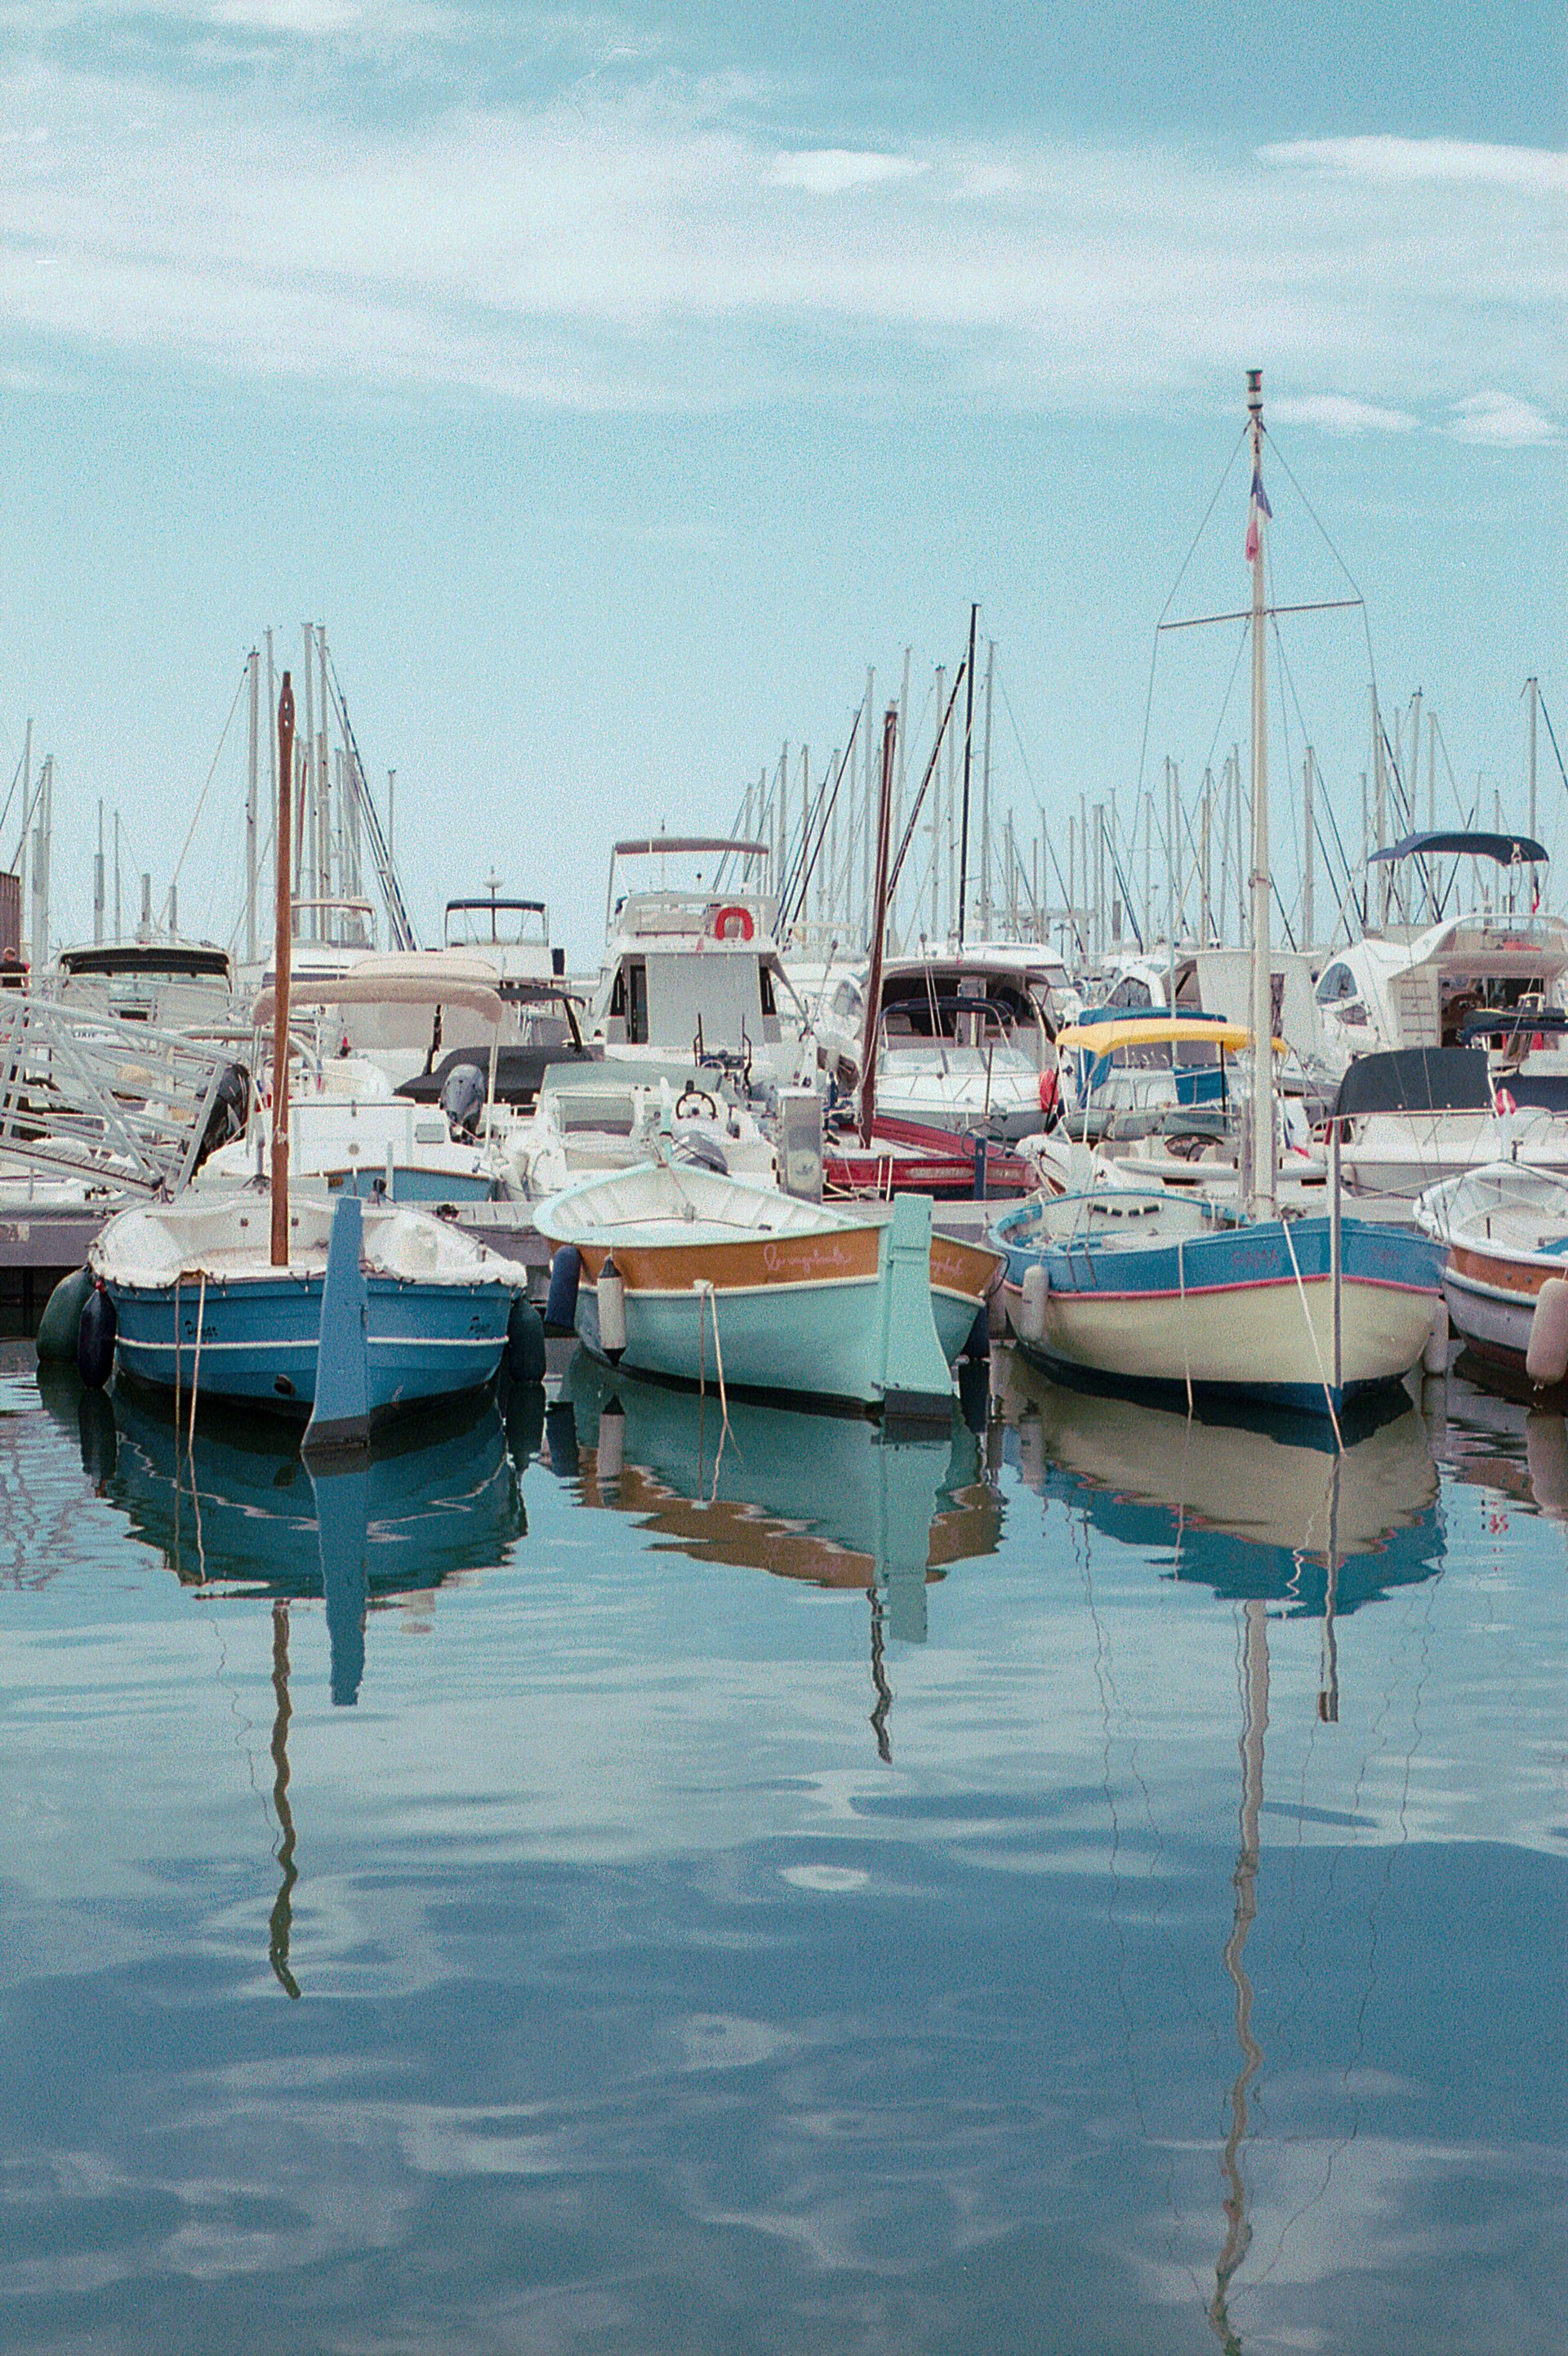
(617, 385)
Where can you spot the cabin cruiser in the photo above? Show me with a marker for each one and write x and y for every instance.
(331, 937)
(512, 935)
(1411, 1116)
(1216, 983)
(174, 985)
(1486, 970)
(965, 1037)
(692, 974)
(1027, 990)
(349, 1127)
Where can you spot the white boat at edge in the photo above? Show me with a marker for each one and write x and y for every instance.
(1506, 1231)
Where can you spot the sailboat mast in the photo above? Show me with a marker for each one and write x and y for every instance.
(1262, 1187)
(880, 893)
(283, 952)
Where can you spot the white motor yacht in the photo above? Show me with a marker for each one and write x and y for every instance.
(692, 974)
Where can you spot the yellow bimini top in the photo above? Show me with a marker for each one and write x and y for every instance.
(1156, 1030)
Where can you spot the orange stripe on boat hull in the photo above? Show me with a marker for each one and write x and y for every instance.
(1505, 1275)
(846, 1258)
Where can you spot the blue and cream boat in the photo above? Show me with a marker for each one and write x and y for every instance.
(198, 1307)
(1144, 1290)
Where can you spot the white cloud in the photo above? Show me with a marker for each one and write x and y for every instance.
(310, 17)
(1542, 171)
(828, 171)
(655, 243)
(1502, 420)
(1336, 412)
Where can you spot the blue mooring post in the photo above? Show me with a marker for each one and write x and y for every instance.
(916, 1381)
(341, 1416)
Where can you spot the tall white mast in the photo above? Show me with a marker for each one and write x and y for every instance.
(1532, 691)
(254, 667)
(1262, 1189)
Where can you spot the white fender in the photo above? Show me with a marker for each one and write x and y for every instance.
(610, 1294)
(1029, 1317)
(1435, 1357)
(1546, 1357)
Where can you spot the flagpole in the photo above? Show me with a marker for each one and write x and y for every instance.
(1262, 1189)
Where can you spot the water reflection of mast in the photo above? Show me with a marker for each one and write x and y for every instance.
(282, 1908)
(1328, 1695)
(1255, 1726)
(880, 1680)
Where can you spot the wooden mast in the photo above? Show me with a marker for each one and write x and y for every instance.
(878, 925)
(283, 947)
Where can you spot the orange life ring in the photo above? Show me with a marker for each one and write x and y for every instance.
(733, 924)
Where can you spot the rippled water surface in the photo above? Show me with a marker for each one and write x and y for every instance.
(597, 1883)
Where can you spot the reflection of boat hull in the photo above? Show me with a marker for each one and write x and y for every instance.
(833, 1500)
(1263, 1506)
(1233, 1313)
(821, 1478)
(248, 1513)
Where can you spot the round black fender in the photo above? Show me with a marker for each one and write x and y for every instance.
(525, 1342)
(95, 1339)
(61, 1321)
(565, 1273)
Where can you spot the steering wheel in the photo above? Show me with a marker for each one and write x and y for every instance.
(698, 1097)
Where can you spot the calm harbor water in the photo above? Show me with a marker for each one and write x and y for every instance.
(600, 1882)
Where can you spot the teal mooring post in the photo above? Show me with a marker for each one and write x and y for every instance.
(341, 1416)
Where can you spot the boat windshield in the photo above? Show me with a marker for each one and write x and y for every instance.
(492, 922)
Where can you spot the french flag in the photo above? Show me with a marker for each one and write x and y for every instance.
(1258, 505)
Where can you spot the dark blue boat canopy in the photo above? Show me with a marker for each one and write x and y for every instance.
(1508, 849)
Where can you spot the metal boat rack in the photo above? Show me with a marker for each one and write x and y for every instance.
(113, 1104)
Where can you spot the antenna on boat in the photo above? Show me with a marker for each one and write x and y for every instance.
(1262, 1183)
(282, 948)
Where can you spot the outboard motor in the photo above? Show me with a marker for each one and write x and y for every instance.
(463, 1100)
(230, 1111)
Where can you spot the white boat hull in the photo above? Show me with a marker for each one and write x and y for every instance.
(1260, 1338)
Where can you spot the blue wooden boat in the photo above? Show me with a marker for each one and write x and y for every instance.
(1194, 1297)
(1144, 1291)
(414, 1310)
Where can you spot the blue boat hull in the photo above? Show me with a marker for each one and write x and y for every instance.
(259, 1338)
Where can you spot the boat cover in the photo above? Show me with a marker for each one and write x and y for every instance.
(1508, 849)
(1417, 1079)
